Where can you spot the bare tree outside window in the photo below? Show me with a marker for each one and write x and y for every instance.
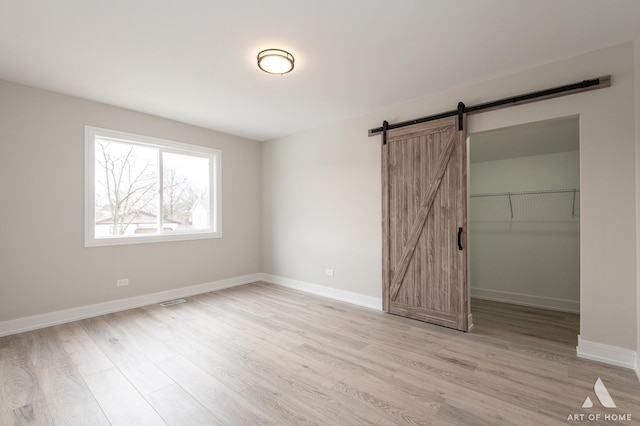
(186, 190)
(126, 182)
(177, 195)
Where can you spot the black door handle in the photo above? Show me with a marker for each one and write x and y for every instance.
(459, 238)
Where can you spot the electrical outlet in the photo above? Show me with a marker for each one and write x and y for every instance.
(329, 272)
(122, 282)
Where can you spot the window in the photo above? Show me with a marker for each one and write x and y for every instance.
(141, 189)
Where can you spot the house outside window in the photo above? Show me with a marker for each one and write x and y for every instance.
(141, 189)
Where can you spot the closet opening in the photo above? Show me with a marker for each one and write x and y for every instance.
(524, 230)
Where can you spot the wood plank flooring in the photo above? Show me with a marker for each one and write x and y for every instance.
(262, 354)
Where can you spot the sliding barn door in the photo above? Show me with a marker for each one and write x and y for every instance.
(424, 223)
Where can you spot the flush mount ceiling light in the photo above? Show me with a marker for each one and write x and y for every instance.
(275, 61)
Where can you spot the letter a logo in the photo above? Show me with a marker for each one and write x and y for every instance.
(603, 396)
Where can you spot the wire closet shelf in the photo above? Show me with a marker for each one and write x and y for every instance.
(546, 204)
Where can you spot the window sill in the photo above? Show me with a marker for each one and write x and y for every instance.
(146, 239)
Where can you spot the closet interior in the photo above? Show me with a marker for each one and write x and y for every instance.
(524, 217)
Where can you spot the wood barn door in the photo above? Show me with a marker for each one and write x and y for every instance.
(424, 223)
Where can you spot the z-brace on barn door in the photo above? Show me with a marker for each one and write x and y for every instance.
(424, 202)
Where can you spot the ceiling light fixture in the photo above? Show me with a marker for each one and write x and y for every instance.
(275, 61)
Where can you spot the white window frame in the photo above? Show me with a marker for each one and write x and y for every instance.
(215, 187)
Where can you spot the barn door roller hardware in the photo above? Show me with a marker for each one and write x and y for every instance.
(461, 111)
(385, 127)
(582, 86)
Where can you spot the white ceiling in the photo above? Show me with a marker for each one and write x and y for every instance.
(540, 138)
(194, 60)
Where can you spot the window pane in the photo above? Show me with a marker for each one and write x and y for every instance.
(141, 189)
(185, 196)
(126, 189)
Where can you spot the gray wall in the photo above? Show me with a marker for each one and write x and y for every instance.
(44, 265)
(321, 208)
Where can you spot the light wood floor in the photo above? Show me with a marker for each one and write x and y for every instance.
(262, 354)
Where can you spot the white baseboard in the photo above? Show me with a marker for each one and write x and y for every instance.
(527, 300)
(470, 322)
(331, 293)
(586, 349)
(608, 354)
(60, 317)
